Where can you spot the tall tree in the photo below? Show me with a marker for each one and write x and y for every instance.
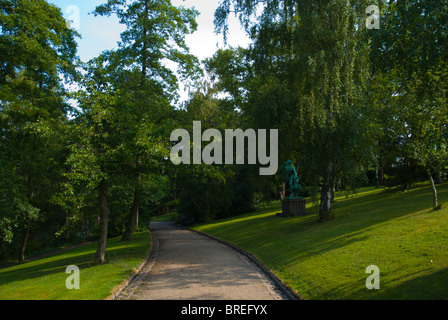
(126, 101)
(310, 65)
(410, 53)
(155, 34)
(36, 49)
(95, 141)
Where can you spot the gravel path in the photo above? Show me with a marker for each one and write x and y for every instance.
(190, 266)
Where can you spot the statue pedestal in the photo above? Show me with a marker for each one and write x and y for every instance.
(292, 207)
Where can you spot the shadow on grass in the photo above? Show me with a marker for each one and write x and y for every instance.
(83, 257)
(419, 287)
(426, 287)
(285, 240)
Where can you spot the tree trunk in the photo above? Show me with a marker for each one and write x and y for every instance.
(86, 228)
(26, 233)
(102, 244)
(377, 176)
(133, 217)
(381, 177)
(325, 213)
(26, 229)
(67, 226)
(435, 200)
(145, 44)
(377, 164)
(333, 190)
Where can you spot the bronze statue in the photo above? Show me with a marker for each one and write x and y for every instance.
(292, 180)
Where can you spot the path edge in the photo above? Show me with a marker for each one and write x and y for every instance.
(150, 258)
(285, 289)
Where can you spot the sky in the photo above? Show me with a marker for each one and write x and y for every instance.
(102, 33)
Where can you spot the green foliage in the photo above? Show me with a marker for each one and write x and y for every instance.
(36, 49)
(409, 59)
(203, 197)
(350, 104)
(35, 40)
(207, 192)
(305, 75)
(155, 30)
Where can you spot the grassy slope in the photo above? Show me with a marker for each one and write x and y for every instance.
(45, 278)
(398, 232)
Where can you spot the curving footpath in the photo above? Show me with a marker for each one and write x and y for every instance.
(185, 265)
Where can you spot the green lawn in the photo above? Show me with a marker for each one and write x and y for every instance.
(45, 279)
(398, 232)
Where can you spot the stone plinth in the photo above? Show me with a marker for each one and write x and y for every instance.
(292, 207)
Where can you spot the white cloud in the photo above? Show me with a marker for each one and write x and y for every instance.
(204, 42)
